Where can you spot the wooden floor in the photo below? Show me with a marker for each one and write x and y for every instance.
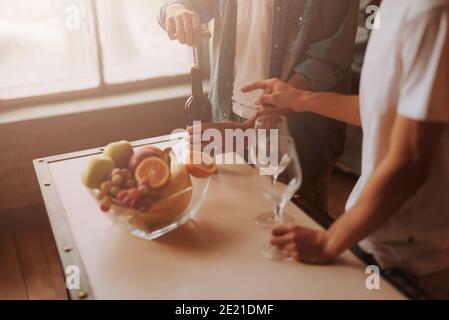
(29, 263)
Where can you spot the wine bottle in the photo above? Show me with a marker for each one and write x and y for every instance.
(198, 106)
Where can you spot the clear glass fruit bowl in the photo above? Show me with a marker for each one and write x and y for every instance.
(164, 216)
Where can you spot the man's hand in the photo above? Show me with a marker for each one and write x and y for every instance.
(296, 81)
(303, 244)
(278, 94)
(183, 24)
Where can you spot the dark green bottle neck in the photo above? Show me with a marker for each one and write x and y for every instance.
(197, 82)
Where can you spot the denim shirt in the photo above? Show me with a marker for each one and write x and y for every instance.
(314, 38)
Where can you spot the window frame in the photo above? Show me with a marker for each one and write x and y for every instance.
(104, 89)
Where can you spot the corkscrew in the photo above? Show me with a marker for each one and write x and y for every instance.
(205, 34)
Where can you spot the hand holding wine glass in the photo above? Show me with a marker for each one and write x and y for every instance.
(304, 244)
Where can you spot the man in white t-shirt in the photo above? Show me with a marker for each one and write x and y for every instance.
(400, 205)
(309, 43)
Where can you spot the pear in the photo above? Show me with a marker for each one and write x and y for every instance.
(97, 171)
(120, 152)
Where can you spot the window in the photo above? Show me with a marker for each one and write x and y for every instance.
(55, 46)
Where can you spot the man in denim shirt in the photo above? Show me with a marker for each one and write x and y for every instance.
(308, 43)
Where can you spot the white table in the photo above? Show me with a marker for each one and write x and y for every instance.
(213, 257)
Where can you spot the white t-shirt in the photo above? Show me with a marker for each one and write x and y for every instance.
(406, 73)
(253, 52)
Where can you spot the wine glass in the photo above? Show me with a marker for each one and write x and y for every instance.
(273, 125)
(279, 178)
(275, 121)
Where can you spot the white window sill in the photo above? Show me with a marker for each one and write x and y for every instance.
(18, 114)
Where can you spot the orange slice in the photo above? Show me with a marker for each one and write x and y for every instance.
(154, 172)
(201, 165)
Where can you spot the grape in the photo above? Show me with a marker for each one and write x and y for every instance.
(106, 187)
(101, 196)
(117, 180)
(143, 190)
(127, 201)
(130, 183)
(107, 201)
(145, 182)
(115, 172)
(122, 195)
(106, 204)
(126, 174)
(114, 190)
(134, 194)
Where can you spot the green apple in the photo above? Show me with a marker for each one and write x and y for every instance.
(120, 152)
(97, 171)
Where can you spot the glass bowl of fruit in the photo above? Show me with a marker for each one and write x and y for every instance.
(147, 191)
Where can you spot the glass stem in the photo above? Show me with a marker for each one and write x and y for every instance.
(273, 192)
(278, 214)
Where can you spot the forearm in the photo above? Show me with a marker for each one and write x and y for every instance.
(340, 107)
(388, 189)
(397, 178)
(287, 95)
